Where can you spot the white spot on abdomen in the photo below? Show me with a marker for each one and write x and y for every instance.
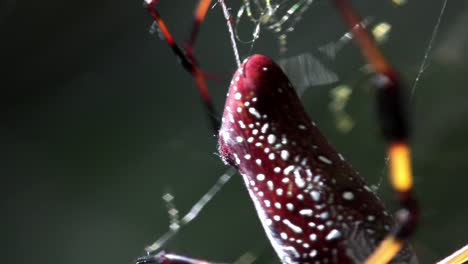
(293, 227)
(347, 195)
(333, 235)
(324, 159)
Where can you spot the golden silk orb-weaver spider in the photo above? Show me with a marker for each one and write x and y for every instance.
(313, 205)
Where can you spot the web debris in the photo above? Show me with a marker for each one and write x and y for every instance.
(268, 15)
(175, 224)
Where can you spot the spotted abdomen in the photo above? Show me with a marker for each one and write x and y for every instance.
(313, 205)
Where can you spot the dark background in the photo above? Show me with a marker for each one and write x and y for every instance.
(98, 120)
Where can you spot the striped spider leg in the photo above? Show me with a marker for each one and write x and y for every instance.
(186, 56)
(314, 207)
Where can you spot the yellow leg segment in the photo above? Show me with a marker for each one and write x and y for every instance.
(400, 167)
(402, 181)
(386, 251)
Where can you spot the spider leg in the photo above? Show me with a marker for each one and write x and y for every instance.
(199, 17)
(186, 57)
(392, 112)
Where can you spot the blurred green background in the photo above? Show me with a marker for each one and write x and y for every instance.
(98, 120)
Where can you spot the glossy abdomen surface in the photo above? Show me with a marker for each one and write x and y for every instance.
(313, 205)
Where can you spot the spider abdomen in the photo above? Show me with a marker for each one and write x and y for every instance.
(312, 204)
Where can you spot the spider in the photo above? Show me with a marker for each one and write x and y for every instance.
(313, 205)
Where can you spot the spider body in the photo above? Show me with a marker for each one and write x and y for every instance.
(312, 204)
(314, 207)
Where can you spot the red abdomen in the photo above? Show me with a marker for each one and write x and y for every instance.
(312, 204)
